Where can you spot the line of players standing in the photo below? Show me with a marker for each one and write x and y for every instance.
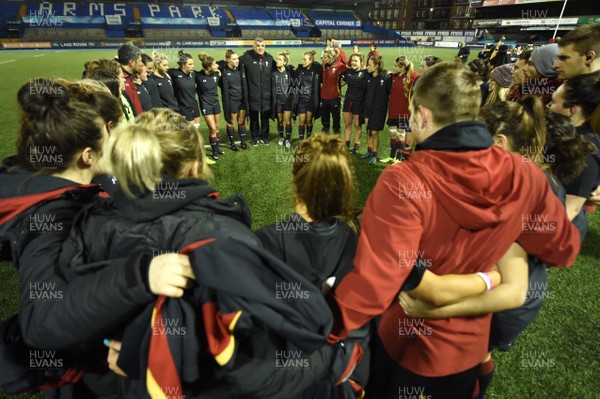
(260, 87)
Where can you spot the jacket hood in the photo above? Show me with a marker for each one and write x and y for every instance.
(22, 189)
(470, 177)
(18, 181)
(171, 195)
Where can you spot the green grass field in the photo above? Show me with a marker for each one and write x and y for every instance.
(557, 357)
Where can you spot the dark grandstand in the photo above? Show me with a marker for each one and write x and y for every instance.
(93, 22)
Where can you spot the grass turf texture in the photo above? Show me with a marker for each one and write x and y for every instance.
(558, 356)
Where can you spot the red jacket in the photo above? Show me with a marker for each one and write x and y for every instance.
(459, 211)
(330, 89)
(131, 93)
(342, 57)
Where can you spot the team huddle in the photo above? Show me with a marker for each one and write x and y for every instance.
(262, 88)
(166, 291)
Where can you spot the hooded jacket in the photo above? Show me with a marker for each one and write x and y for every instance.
(459, 203)
(131, 93)
(257, 70)
(36, 215)
(235, 298)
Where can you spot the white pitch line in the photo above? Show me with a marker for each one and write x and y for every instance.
(6, 62)
(39, 55)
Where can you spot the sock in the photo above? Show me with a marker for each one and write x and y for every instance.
(374, 154)
(399, 152)
(214, 144)
(288, 131)
(356, 146)
(309, 130)
(280, 130)
(301, 132)
(347, 144)
(242, 132)
(486, 372)
(230, 134)
(369, 150)
(394, 147)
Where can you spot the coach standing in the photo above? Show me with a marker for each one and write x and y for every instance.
(257, 65)
(130, 58)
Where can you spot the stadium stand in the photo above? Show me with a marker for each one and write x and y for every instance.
(96, 22)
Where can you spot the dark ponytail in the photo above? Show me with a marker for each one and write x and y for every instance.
(57, 121)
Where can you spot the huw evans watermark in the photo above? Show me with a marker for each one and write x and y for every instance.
(413, 327)
(412, 393)
(168, 191)
(536, 359)
(45, 156)
(290, 359)
(44, 223)
(413, 191)
(44, 291)
(291, 224)
(44, 359)
(291, 291)
(537, 223)
(413, 258)
(169, 326)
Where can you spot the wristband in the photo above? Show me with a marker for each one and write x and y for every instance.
(489, 284)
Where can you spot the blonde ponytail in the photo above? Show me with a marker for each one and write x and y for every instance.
(134, 157)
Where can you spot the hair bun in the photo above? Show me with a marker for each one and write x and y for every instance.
(41, 95)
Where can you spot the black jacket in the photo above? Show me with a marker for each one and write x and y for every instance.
(56, 312)
(276, 87)
(224, 83)
(319, 251)
(314, 72)
(186, 216)
(258, 79)
(376, 99)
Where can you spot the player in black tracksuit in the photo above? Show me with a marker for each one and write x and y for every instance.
(256, 65)
(282, 96)
(149, 82)
(234, 98)
(163, 81)
(142, 91)
(186, 215)
(184, 87)
(319, 240)
(376, 98)
(308, 91)
(36, 213)
(207, 87)
(356, 79)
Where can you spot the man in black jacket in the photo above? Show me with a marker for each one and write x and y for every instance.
(257, 66)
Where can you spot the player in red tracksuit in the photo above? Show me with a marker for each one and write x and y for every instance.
(398, 114)
(130, 58)
(330, 91)
(455, 202)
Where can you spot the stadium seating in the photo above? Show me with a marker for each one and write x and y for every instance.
(166, 22)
